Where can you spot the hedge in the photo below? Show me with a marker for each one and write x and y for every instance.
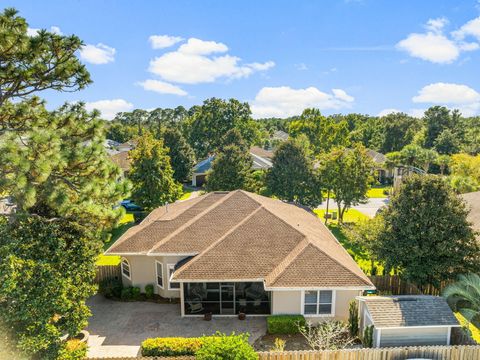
(284, 324)
(170, 346)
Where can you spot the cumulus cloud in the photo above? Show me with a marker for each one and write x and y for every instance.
(109, 108)
(198, 61)
(388, 111)
(434, 45)
(97, 54)
(53, 29)
(163, 41)
(458, 96)
(284, 101)
(471, 28)
(162, 87)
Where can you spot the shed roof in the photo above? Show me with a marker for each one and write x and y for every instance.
(409, 310)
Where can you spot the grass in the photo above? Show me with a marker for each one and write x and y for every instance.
(355, 250)
(474, 328)
(187, 191)
(378, 191)
(125, 223)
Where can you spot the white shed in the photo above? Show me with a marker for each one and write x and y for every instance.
(407, 320)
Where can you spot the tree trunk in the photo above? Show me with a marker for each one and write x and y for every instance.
(328, 200)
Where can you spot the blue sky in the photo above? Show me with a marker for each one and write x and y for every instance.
(340, 56)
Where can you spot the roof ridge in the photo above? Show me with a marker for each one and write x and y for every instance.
(148, 219)
(191, 221)
(219, 240)
(283, 265)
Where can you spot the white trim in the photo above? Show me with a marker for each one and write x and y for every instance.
(156, 274)
(318, 288)
(171, 254)
(378, 337)
(416, 327)
(218, 281)
(129, 277)
(449, 335)
(169, 277)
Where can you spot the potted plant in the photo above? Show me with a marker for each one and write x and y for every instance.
(241, 315)
(207, 316)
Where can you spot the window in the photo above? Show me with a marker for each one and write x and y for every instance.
(172, 286)
(318, 302)
(159, 271)
(126, 268)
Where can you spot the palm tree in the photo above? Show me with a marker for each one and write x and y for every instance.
(464, 296)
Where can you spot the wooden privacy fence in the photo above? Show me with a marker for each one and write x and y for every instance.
(107, 272)
(432, 352)
(404, 353)
(394, 285)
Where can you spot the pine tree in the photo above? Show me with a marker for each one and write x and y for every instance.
(182, 157)
(152, 174)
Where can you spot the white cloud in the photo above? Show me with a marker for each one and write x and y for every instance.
(162, 87)
(109, 108)
(283, 101)
(195, 62)
(434, 45)
(446, 93)
(53, 29)
(301, 67)
(387, 112)
(163, 41)
(457, 96)
(418, 113)
(471, 28)
(97, 54)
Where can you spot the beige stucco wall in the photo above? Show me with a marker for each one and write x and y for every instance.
(290, 302)
(143, 272)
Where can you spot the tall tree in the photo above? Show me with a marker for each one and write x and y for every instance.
(211, 121)
(427, 236)
(399, 130)
(351, 174)
(231, 168)
(292, 176)
(55, 169)
(437, 119)
(152, 174)
(182, 157)
(323, 133)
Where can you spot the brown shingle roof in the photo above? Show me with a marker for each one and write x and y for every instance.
(122, 160)
(240, 236)
(409, 310)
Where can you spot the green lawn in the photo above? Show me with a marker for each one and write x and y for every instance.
(356, 251)
(378, 191)
(187, 191)
(125, 223)
(475, 329)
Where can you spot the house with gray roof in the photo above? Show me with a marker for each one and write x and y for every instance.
(407, 320)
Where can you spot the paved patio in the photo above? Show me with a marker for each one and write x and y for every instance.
(117, 328)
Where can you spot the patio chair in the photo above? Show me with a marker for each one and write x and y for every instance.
(195, 305)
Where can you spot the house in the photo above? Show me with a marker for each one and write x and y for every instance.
(382, 173)
(407, 320)
(261, 161)
(280, 135)
(122, 160)
(231, 252)
(473, 202)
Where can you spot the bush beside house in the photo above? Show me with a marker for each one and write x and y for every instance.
(170, 346)
(284, 324)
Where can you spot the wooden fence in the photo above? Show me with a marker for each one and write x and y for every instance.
(424, 352)
(107, 272)
(394, 285)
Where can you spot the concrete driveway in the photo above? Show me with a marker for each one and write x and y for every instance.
(117, 328)
(370, 208)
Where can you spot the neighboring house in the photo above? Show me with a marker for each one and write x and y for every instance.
(382, 173)
(111, 146)
(473, 202)
(280, 135)
(122, 160)
(261, 161)
(231, 252)
(127, 146)
(407, 320)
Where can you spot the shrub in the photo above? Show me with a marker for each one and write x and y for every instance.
(135, 293)
(284, 324)
(226, 347)
(126, 293)
(111, 288)
(171, 346)
(73, 350)
(327, 335)
(149, 291)
(367, 340)
(353, 319)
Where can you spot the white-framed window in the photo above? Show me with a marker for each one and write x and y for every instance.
(159, 272)
(174, 285)
(318, 302)
(125, 265)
